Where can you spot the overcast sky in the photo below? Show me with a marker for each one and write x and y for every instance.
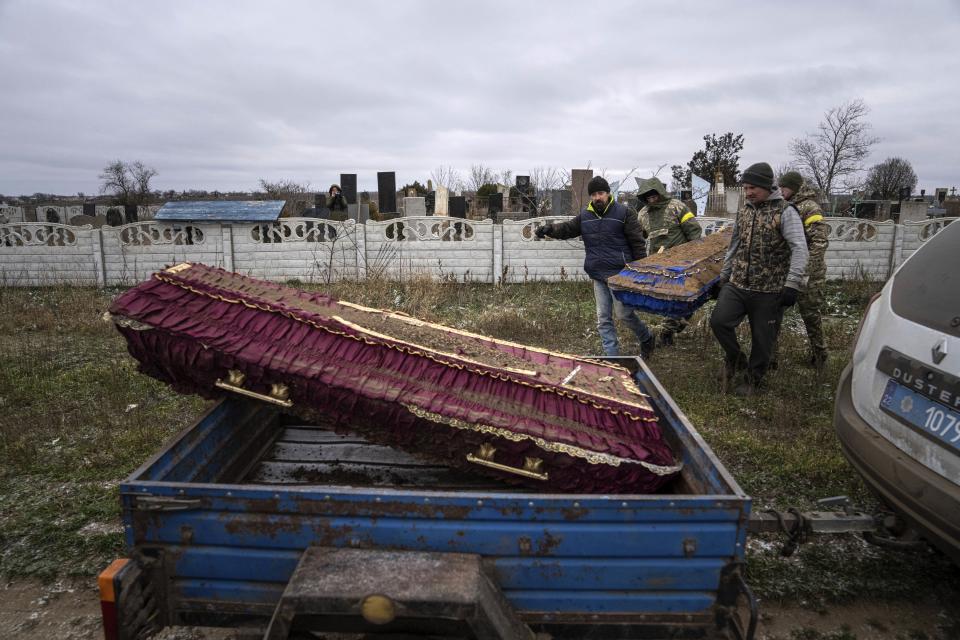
(216, 95)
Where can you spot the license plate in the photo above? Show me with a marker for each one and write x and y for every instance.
(930, 418)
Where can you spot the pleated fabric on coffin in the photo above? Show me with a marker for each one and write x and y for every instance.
(437, 392)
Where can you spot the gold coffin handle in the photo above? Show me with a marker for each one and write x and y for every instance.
(279, 393)
(532, 467)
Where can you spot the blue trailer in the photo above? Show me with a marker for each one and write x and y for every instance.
(253, 520)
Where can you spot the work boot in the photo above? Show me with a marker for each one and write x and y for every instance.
(728, 374)
(818, 359)
(647, 347)
(749, 387)
(666, 338)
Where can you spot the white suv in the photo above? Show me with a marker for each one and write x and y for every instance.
(897, 411)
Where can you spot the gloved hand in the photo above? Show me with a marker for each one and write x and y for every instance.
(788, 296)
(717, 286)
(543, 231)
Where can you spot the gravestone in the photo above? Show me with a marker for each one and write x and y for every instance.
(392, 215)
(114, 217)
(495, 204)
(387, 191)
(130, 213)
(442, 205)
(458, 207)
(348, 186)
(319, 201)
(89, 209)
(581, 178)
(430, 202)
(52, 215)
(414, 207)
(561, 202)
(523, 184)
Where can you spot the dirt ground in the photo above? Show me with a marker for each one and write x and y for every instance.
(69, 609)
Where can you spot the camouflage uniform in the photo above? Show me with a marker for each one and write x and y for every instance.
(667, 223)
(767, 253)
(810, 301)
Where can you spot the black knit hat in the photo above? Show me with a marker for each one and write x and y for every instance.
(759, 175)
(791, 180)
(597, 183)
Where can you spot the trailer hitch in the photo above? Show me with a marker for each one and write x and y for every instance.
(839, 516)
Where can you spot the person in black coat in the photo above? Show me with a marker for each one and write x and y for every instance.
(612, 237)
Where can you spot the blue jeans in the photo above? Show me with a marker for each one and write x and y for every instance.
(607, 306)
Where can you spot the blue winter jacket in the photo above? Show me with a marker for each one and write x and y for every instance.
(611, 237)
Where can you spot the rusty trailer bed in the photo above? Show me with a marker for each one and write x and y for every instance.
(218, 520)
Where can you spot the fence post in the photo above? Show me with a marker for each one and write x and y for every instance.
(226, 244)
(896, 249)
(497, 253)
(99, 266)
(361, 237)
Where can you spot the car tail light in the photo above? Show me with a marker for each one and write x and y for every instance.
(107, 581)
(863, 319)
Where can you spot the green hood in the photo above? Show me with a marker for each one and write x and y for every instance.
(653, 184)
(806, 192)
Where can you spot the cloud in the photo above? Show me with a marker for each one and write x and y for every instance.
(216, 95)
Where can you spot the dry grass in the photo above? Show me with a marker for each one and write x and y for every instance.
(76, 417)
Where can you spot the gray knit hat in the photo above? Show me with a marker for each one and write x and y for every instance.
(759, 175)
(791, 180)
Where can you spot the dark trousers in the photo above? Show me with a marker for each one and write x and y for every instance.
(764, 312)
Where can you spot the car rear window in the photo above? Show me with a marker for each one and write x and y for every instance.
(927, 289)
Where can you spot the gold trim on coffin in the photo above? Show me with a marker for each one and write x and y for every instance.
(431, 355)
(592, 457)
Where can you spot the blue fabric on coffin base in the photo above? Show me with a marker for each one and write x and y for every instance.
(675, 282)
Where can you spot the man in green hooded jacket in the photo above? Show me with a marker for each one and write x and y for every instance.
(667, 223)
(801, 195)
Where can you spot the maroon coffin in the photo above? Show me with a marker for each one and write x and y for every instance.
(550, 421)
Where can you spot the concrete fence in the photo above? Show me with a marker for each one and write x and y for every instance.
(313, 250)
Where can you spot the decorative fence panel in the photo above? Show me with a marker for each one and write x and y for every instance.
(314, 250)
(304, 249)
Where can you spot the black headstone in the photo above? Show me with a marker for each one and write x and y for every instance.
(89, 209)
(130, 213)
(114, 217)
(523, 184)
(387, 191)
(495, 203)
(430, 202)
(348, 185)
(457, 206)
(319, 201)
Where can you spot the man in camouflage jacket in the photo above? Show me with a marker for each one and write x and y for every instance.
(764, 271)
(667, 223)
(817, 232)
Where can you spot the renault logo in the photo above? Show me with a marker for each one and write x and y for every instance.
(939, 351)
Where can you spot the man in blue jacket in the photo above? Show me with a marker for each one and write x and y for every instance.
(612, 237)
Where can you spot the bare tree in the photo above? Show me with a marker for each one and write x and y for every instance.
(836, 152)
(447, 176)
(479, 176)
(295, 194)
(543, 180)
(116, 179)
(505, 178)
(887, 178)
(128, 182)
(142, 175)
